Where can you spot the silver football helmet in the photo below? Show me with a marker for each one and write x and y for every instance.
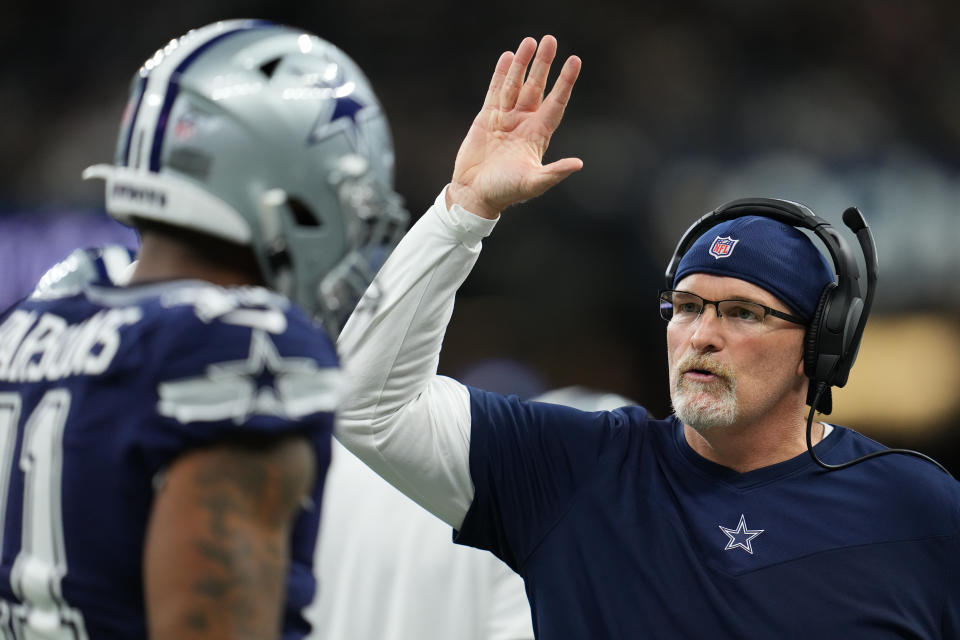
(268, 137)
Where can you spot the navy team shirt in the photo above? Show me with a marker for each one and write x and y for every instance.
(100, 389)
(621, 531)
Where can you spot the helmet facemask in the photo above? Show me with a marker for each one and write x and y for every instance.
(376, 221)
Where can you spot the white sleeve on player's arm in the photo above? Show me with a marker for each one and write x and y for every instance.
(407, 423)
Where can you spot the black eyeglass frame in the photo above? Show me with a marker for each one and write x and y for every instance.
(716, 305)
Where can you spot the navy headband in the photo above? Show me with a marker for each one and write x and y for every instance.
(770, 254)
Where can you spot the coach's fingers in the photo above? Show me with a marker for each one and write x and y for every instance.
(492, 98)
(553, 174)
(532, 92)
(556, 101)
(563, 168)
(518, 67)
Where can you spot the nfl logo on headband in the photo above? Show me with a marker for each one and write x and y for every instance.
(722, 247)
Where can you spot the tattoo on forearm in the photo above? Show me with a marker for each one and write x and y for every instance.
(252, 478)
(244, 563)
(197, 621)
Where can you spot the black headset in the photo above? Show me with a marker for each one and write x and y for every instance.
(833, 336)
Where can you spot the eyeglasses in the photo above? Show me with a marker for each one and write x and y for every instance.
(684, 307)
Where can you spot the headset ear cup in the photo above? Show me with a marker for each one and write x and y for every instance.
(811, 351)
(811, 341)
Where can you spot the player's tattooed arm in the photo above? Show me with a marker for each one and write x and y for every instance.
(217, 546)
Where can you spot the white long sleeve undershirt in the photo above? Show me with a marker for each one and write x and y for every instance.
(407, 423)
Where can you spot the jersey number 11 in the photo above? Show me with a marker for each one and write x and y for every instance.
(41, 563)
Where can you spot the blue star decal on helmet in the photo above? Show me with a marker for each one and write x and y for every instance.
(344, 118)
(741, 537)
(346, 107)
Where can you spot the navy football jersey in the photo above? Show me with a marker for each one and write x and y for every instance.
(101, 387)
(621, 530)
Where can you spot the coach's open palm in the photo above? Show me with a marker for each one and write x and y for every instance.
(500, 160)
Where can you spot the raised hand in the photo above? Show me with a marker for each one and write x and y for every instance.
(500, 161)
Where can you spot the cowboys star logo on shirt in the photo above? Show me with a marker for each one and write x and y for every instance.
(741, 537)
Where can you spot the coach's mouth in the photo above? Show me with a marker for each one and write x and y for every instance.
(702, 370)
(701, 375)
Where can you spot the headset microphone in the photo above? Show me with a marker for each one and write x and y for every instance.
(856, 223)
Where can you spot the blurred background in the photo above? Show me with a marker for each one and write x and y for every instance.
(680, 107)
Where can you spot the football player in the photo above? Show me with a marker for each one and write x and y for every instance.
(163, 444)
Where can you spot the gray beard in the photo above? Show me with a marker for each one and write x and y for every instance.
(705, 413)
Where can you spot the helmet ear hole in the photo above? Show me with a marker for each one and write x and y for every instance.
(302, 214)
(267, 68)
